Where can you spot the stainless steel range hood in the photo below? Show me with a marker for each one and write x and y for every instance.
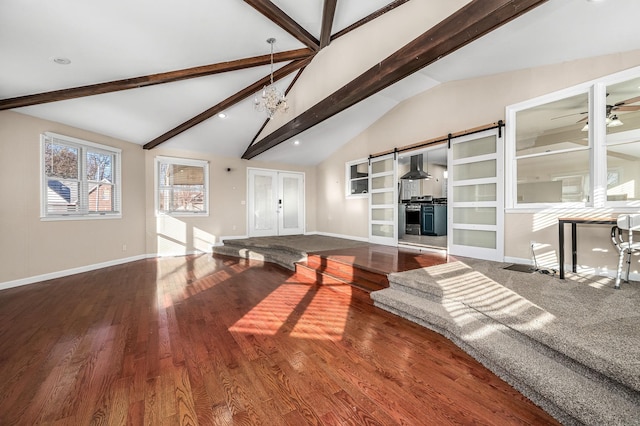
(415, 171)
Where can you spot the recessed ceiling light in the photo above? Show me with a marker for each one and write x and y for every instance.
(62, 61)
(296, 142)
(222, 115)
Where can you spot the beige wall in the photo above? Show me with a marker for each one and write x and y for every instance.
(228, 214)
(453, 107)
(30, 247)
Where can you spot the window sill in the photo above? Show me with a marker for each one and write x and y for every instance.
(80, 217)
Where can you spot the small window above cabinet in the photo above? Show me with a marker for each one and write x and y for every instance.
(357, 178)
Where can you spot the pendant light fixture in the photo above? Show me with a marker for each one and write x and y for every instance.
(271, 100)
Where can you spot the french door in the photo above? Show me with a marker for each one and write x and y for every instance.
(275, 203)
(383, 200)
(475, 196)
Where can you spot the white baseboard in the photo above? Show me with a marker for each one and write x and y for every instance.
(597, 271)
(220, 240)
(346, 237)
(58, 274)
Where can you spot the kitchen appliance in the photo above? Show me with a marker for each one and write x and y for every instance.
(415, 169)
(412, 219)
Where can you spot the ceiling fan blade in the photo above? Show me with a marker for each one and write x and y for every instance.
(629, 101)
(583, 119)
(569, 115)
(627, 108)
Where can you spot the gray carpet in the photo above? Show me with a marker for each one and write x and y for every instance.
(572, 346)
(284, 250)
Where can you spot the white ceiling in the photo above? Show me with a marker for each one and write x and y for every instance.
(121, 39)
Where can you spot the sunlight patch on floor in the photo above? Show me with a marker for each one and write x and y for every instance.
(297, 309)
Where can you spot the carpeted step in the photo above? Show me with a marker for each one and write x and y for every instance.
(284, 257)
(572, 394)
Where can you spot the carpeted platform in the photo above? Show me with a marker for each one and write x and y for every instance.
(285, 250)
(572, 346)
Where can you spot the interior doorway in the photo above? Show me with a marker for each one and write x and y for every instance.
(422, 201)
(275, 203)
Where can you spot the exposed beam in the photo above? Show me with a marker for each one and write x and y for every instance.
(369, 18)
(284, 21)
(465, 25)
(328, 12)
(230, 101)
(149, 80)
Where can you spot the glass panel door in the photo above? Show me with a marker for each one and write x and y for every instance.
(476, 213)
(291, 203)
(275, 203)
(262, 203)
(383, 200)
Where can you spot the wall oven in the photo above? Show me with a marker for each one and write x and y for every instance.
(412, 219)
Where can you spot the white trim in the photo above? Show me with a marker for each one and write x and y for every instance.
(83, 142)
(249, 202)
(59, 274)
(596, 91)
(220, 242)
(348, 179)
(346, 237)
(83, 147)
(186, 162)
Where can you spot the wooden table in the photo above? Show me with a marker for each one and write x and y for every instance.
(574, 221)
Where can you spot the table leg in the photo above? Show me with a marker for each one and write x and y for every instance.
(561, 248)
(574, 248)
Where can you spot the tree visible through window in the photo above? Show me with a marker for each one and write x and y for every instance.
(181, 186)
(79, 177)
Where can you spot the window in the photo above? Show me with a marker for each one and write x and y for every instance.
(357, 178)
(579, 147)
(182, 186)
(79, 178)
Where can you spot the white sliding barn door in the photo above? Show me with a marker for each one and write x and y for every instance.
(383, 200)
(476, 196)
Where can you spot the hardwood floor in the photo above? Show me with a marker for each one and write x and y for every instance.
(201, 340)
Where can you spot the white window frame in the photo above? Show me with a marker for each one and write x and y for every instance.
(597, 91)
(185, 162)
(83, 211)
(348, 179)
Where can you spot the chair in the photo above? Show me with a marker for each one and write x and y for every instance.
(630, 223)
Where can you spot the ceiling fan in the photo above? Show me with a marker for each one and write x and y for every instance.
(622, 106)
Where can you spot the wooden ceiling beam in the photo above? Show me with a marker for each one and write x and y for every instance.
(149, 80)
(230, 101)
(462, 27)
(284, 21)
(328, 13)
(369, 18)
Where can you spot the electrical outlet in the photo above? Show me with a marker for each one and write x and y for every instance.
(124, 247)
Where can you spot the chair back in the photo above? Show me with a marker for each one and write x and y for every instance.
(629, 222)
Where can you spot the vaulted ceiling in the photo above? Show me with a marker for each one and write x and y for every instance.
(157, 73)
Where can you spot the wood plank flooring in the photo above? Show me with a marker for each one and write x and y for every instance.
(221, 341)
